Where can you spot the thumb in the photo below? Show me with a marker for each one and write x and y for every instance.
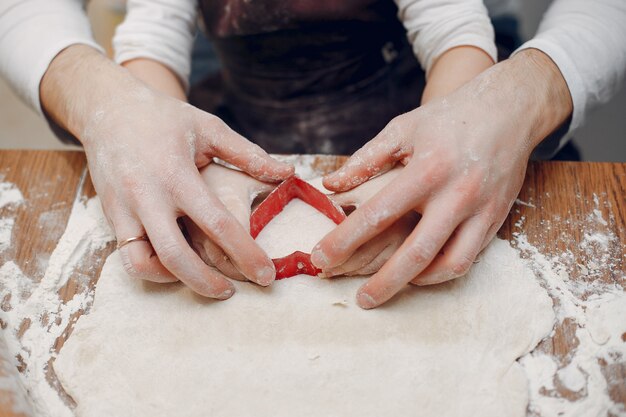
(235, 189)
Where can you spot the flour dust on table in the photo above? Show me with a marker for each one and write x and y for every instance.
(302, 347)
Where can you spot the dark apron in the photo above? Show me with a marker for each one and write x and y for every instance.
(312, 78)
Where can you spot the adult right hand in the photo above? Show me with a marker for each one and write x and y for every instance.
(144, 150)
(465, 156)
(237, 191)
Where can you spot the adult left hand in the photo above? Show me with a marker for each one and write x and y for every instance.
(370, 257)
(465, 158)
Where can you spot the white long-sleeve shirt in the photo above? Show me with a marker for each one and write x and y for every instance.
(162, 30)
(32, 33)
(586, 40)
(435, 26)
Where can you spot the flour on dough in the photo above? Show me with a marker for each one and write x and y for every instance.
(149, 350)
(298, 226)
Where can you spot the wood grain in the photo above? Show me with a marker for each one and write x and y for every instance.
(49, 183)
(553, 211)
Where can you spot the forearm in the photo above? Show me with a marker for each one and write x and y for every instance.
(454, 68)
(79, 84)
(157, 76)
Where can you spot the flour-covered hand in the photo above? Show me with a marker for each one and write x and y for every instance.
(370, 257)
(237, 191)
(144, 150)
(465, 157)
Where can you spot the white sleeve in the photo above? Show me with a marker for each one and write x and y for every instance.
(162, 30)
(435, 26)
(587, 41)
(32, 33)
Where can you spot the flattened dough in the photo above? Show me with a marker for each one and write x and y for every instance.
(278, 238)
(303, 348)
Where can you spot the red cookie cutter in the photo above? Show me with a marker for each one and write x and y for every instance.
(293, 187)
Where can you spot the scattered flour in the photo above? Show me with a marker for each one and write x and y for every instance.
(597, 312)
(10, 194)
(9, 374)
(596, 309)
(572, 377)
(11, 197)
(277, 238)
(39, 309)
(6, 230)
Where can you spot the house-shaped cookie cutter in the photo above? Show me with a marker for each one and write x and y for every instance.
(297, 262)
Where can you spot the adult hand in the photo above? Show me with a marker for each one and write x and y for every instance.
(370, 257)
(144, 150)
(237, 191)
(465, 157)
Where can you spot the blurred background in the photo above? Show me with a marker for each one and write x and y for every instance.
(603, 138)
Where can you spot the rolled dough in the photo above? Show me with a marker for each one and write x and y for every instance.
(298, 226)
(303, 348)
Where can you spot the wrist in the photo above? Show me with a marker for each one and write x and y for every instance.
(547, 101)
(79, 83)
(454, 68)
(157, 76)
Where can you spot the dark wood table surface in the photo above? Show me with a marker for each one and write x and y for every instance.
(556, 199)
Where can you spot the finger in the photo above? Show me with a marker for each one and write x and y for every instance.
(388, 205)
(458, 254)
(235, 189)
(138, 257)
(364, 256)
(372, 266)
(370, 257)
(233, 148)
(210, 215)
(415, 254)
(357, 196)
(210, 253)
(378, 155)
(377, 262)
(178, 257)
(491, 234)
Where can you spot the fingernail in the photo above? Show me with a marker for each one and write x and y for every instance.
(365, 301)
(266, 276)
(332, 273)
(327, 274)
(319, 259)
(332, 180)
(226, 294)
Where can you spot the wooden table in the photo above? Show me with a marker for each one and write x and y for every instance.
(556, 199)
